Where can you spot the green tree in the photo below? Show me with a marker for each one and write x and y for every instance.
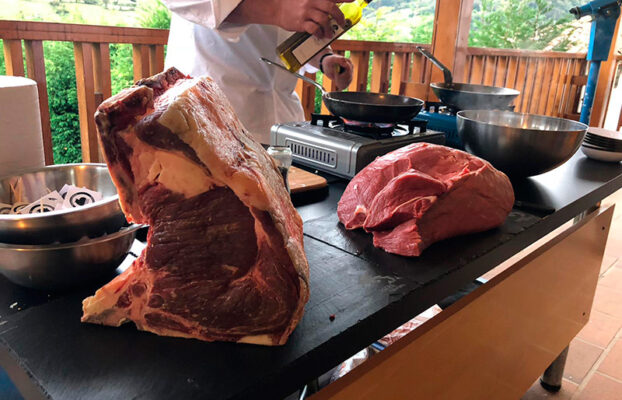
(421, 32)
(387, 24)
(520, 24)
(153, 14)
(64, 119)
(61, 78)
(2, 68)
(121, 71)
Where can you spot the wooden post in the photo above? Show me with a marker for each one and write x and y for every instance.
(101, 71)
(306, 93)
(140, 58)
(605, 82)
(380, 71)
(452, 22)
(399, 72)
(85, 84)
(156, 59)
(329, 86)
(13, 58)
(360, 59)
(36, 71)
(101, 77)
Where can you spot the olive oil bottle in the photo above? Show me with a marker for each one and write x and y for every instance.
(298, 49)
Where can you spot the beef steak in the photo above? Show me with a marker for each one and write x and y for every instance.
(224, 257)
(423, 193)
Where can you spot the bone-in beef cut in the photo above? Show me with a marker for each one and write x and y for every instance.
(224, 257)
(423, 193)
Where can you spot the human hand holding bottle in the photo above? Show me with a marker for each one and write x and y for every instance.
(312, 16)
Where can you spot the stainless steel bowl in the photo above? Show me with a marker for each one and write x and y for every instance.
(59, 266)
(62, 226)
(519, 144)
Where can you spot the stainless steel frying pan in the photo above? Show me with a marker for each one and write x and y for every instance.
(364, 106)
(465, 96)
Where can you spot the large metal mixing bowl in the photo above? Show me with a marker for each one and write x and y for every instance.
(519, 144)
(64, 226)
(60, 266)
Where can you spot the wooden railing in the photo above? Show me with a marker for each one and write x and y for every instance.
(393, 66)
(92, 62)
(550, 82)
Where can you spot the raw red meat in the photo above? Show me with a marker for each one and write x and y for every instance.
(225, 257)
(423, 193)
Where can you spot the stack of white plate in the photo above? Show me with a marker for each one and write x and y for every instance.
(603, 145)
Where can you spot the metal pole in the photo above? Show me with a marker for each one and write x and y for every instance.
(551, 380)
(590, 90)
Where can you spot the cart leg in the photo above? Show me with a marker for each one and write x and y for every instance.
(313, 386)
(551, 380)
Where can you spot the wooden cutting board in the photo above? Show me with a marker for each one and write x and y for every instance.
(303, 181)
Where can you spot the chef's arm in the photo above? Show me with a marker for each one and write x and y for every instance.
(208, 13)
(312, 16)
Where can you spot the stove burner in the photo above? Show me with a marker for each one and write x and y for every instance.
(382, 129)
(440, 108)
(364, 124)
(375, 130)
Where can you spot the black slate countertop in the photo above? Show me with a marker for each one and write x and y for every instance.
(370, 292)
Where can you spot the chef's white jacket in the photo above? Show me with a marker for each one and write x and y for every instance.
(201, 43)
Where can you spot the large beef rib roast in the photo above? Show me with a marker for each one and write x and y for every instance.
(224, 258)
(423, 193)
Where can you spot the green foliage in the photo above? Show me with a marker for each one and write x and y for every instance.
(121, 71)
(421, 32)
(61, 77)
(153, 14)
(388, 24)
(317, 102)
(2, 67)
(421, 7)
(520, 24)
(64, 119)
(70, 11)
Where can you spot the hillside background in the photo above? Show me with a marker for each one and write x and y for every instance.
(524, 24)
(520, 24)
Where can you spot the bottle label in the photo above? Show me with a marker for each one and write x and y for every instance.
(313, 45)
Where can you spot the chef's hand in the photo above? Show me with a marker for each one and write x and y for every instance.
(312, 16)
(338, 69)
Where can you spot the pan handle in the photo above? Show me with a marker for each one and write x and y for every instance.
(304, 78)
(435, 61)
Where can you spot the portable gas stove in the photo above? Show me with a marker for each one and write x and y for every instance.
(443, 119)
(343, 148)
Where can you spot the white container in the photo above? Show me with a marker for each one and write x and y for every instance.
(21, 143)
